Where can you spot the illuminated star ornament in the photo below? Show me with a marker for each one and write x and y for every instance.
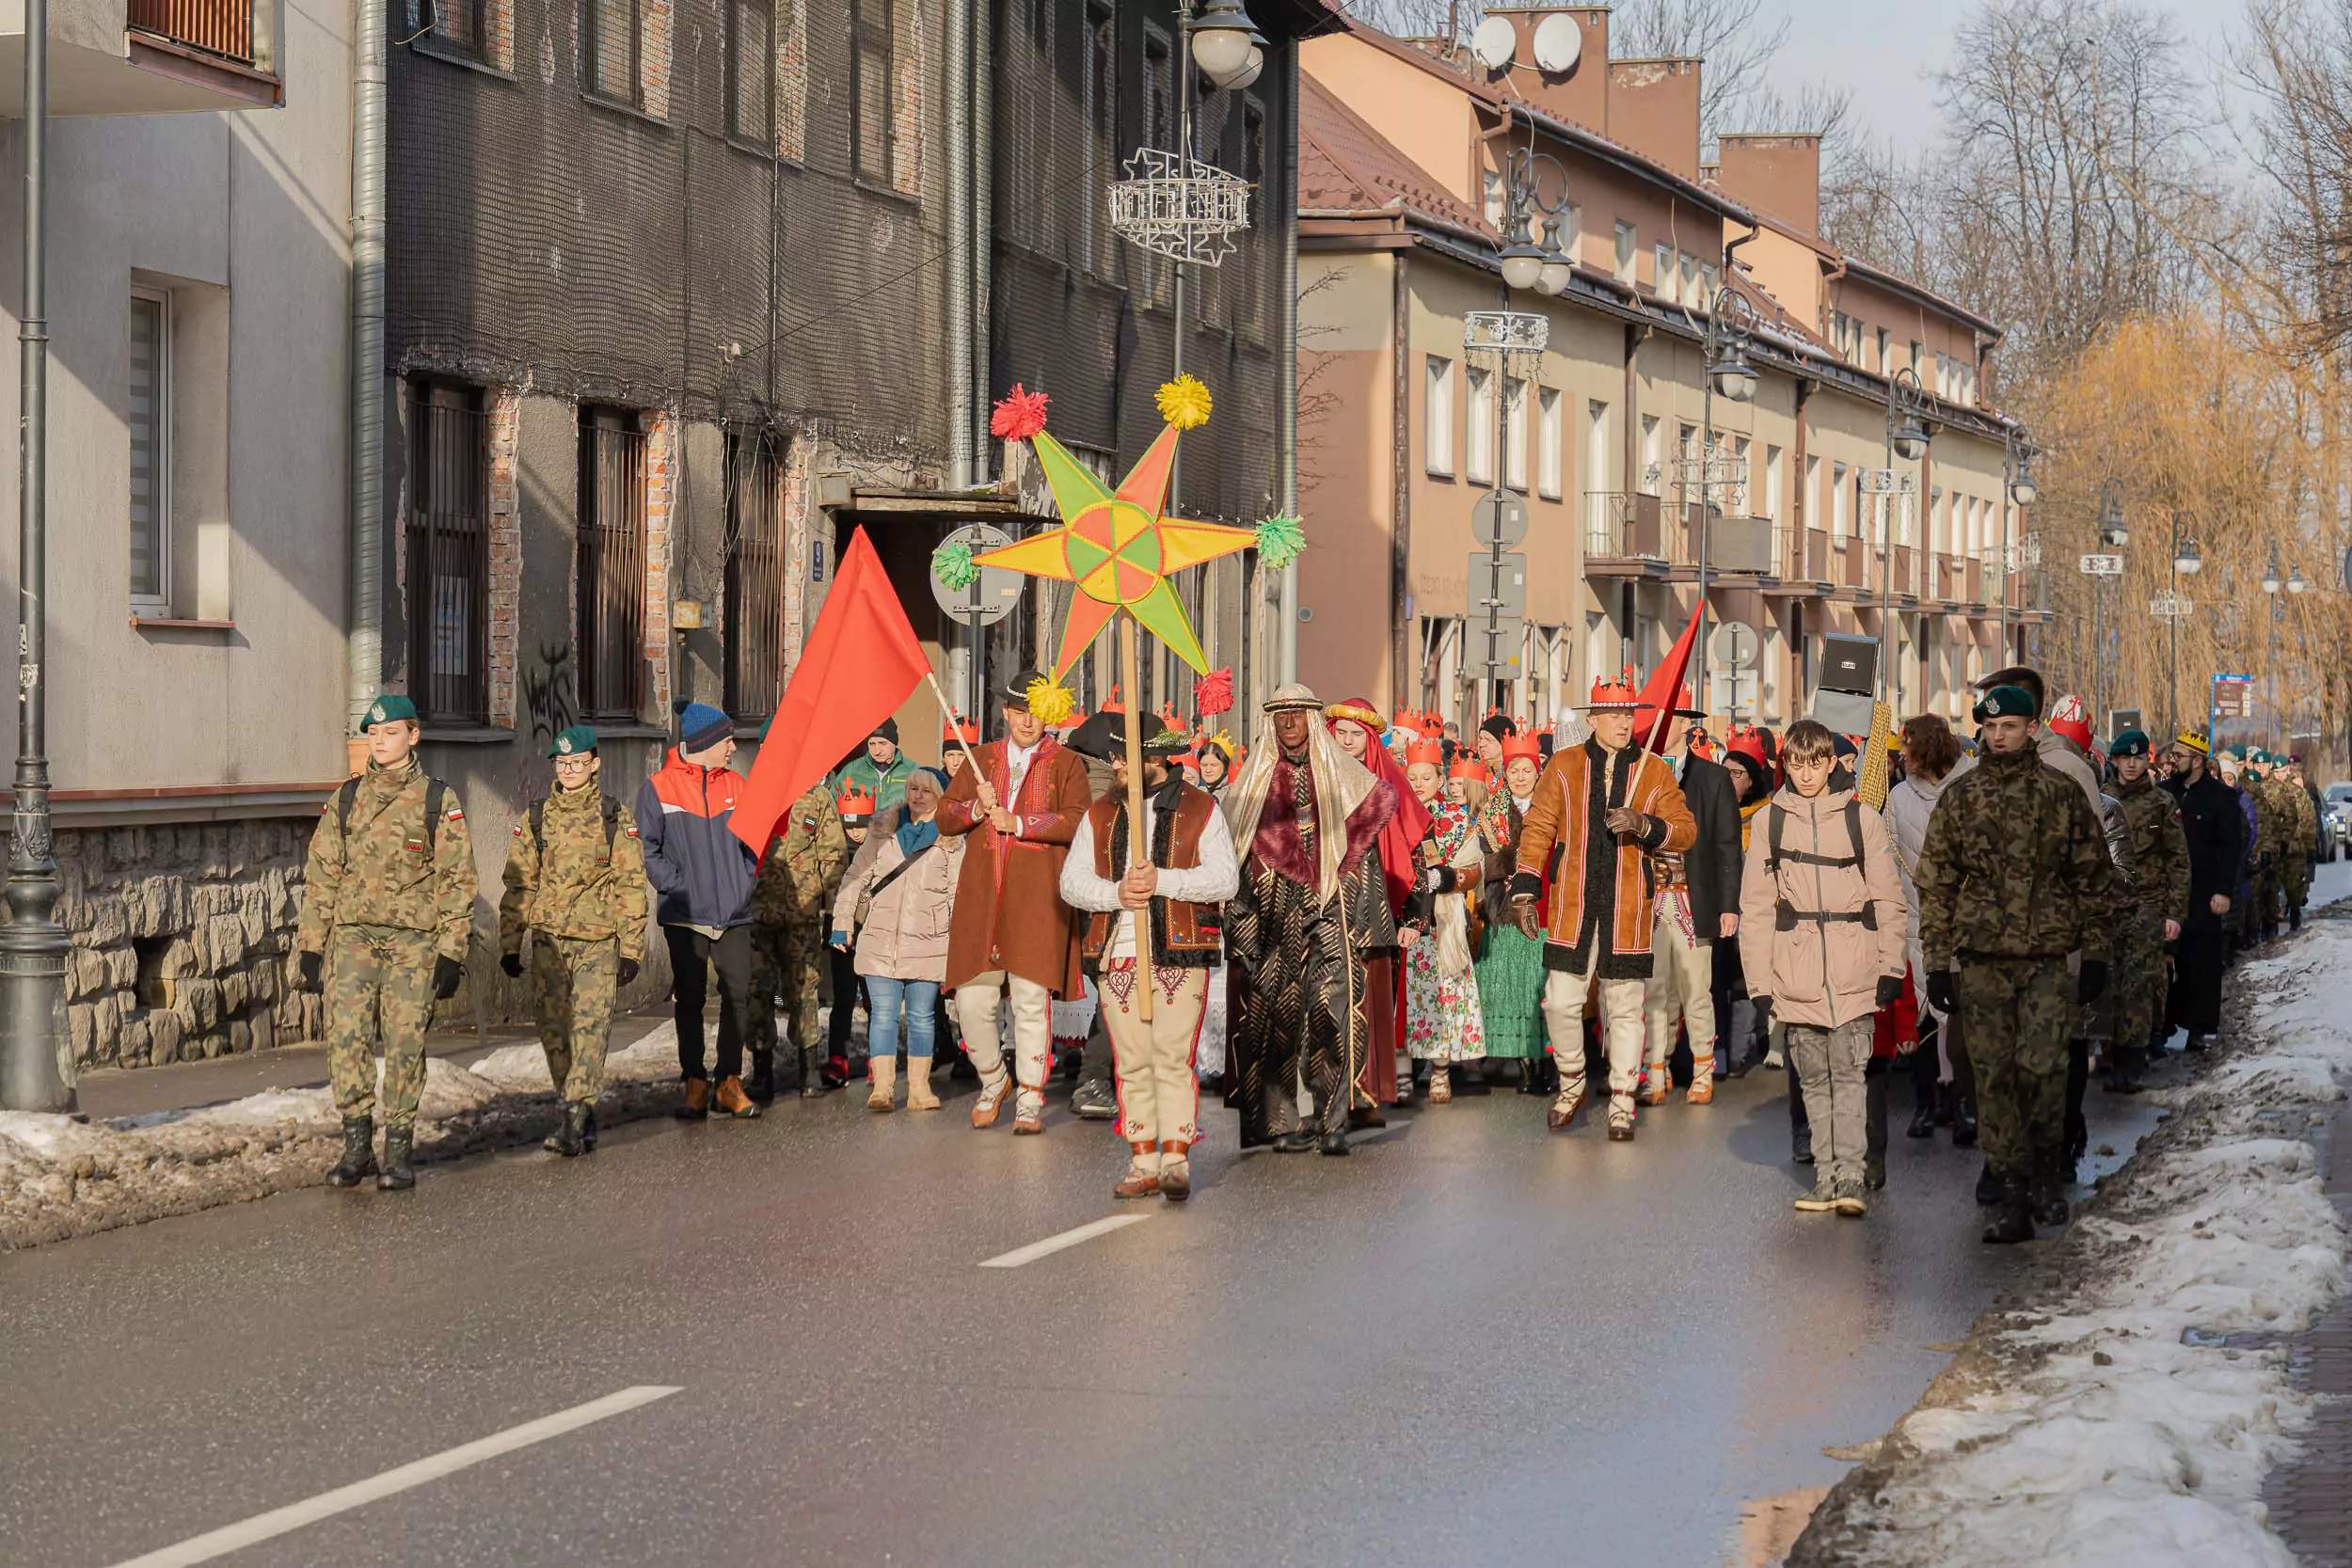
(1114, 545)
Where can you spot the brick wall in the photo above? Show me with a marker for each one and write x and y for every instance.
(506, 552)
(661, 446)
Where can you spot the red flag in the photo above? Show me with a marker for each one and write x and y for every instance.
(861, 661)
(1666, 685)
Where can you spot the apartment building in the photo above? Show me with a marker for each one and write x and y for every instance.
(1407, 155)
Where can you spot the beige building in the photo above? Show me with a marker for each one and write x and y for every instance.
(1407, 157)
(199, 223)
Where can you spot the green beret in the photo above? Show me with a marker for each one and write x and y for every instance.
(2256, 753)
(579, 740)
(388, 708)
(2004, 702)
(2131, 743)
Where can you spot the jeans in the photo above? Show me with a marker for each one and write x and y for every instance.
(885, 1000)
(731, 955)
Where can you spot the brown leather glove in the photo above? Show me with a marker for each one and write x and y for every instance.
(1526, 917)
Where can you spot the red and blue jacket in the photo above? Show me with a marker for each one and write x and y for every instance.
(703, 872)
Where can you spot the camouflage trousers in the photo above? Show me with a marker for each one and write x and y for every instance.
(380, 1001)
(2269, 889)
(2140, 978)
(572, 982)
(2015, 1013)
(2299, 887)
(790, 959)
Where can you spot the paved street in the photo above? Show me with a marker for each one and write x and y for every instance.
(1469, 1343)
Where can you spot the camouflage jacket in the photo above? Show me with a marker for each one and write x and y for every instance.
(2159, 847)
(2014, 865)
(385, 865)
(2274, 817)
(802, 870)
(574, 874)
(2304, 837)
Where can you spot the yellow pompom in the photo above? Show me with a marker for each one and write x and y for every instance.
(1050, 702)
(1184, 403)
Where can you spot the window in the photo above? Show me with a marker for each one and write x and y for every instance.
(1480, 408)
(873, 71)
(1918, 354)
(1547, 453)
(1837, 500)
(791, 68)
(149, 418)
(1100, 82)
(1628, 245)
(1661, 272)
(1651, 471)
(1739, 497)
(1572, 235)
(754, 578)
(1515, 433)
(1490, 198)
(1596, 445)
(1438, 417)
(461, 25)
(447, 559)
(611, 588)
(1690, 280)
(751, 64)
(609, 51)
(1772, 483)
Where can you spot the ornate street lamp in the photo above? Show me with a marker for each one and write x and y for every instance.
(1225, 46)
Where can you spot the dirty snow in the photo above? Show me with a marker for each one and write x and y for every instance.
(2104, 1421)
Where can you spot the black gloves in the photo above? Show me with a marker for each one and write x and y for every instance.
(1942, 993)
(309, 970)
(513, 964)
(2092, 983)
(625, 972)
(1890, 989)
(447, 972)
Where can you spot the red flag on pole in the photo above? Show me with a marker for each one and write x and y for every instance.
(861, 661)
(1665, 685)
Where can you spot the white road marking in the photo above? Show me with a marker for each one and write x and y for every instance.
(294, 1516)
(1052, 1244)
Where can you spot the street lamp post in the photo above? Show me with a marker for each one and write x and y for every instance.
(33, 947)
(2271, 586)
(2017, 460)
(2186, 562)
(1730, 322)
(1906, 437)
(2113, 535)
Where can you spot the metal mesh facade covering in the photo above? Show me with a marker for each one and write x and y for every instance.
(1079, 84)
(605, 237)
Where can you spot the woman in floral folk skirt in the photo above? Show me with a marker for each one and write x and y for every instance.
(1442, 1021)
(1510, 965)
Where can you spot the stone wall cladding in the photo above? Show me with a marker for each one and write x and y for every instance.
(215, 904)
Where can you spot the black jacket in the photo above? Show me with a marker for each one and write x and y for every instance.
(1712, 861)
(2214, 825)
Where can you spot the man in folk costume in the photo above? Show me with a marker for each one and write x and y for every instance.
(1606, 803)
(1189, 870)
(1312, 906)
(1010, 931)
(1357, 726)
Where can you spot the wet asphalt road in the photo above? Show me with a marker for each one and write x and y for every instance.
(1469, 1343)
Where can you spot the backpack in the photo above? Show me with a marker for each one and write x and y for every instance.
(1785, 915)
(608, 806)
(435, 796)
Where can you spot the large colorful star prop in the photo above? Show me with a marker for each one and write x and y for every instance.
(1116, 548)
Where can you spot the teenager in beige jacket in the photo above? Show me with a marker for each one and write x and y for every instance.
(1824, 932)
(910, 871)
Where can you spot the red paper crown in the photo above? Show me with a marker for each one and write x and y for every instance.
(1467, 765)
(1424, 753)
(1522, 745)
(854, 801)
(1614, 696)
(959, 728)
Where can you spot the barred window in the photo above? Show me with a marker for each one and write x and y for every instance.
(610, 42)
(447, 558)
(150, 453)
(791, 24)
(754, 578)
(1100, 145)
(873, 71)
(611, 590)
(461, 25)
(750, 61)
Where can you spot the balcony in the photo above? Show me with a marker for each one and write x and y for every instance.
(1624, 533)
(146, 57)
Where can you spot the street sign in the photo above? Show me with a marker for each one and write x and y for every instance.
(2103, 566)
(1498, 588)
(1498, 519)
(1733, 645)
(2232, 696)
(2169, 605)
(989, 597)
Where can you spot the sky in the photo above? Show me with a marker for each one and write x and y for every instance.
(1884, 51)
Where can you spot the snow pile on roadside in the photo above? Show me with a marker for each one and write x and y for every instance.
(2101, 1420)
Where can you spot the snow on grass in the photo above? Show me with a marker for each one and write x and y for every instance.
(2102, 1421)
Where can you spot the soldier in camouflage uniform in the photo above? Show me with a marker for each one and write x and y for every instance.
(2013, 877)
(791, 908)
(2160, 877)
(576, 882)
(2302, 839)
(387, 912)
(2274, 821)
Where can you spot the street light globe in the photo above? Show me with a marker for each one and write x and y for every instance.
(2188, 562)
(2295, 580)
(2271, 580)
(1250, 70)
(1556, 274)
(2024, 490)
(1910, 442)
(1221, 39)
(1736, 379)
(1522, 264)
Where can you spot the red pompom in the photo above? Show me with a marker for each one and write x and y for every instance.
(1213, 694)
(1019, 415)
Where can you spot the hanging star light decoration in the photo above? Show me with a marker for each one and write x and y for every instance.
(1116, 547)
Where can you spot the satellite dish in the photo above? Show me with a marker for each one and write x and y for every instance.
(1558, 44)
(1491, 45)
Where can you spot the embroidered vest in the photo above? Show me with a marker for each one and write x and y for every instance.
(1182, 934)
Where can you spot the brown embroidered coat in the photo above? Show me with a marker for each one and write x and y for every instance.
(1600, 876)
(1008, 912)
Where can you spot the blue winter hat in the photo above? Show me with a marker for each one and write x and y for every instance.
(702, 727)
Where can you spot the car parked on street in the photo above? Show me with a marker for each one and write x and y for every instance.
(2335, 822)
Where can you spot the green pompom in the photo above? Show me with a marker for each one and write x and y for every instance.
(951, 563)
(1279, 540)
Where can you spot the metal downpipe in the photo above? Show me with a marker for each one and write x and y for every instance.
(365, 649)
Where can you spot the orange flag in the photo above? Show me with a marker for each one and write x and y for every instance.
(1666, 685)
(861, 661)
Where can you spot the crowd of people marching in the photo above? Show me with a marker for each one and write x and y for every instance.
(1359, 911)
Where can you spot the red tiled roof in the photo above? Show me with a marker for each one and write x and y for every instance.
(1344, 165)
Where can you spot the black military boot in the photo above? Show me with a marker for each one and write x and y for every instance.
(1991, 1190)
(358, 1161)
(396, 1176)
(2049, 1192)
(2011, 1223)
(571, 1139)
(588, 1132)
(761, 1084)
(813, 1082)
(1963, 1123)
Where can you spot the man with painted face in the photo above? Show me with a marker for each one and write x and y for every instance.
(1311, 909)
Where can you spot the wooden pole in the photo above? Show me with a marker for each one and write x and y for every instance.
(1138, 841)
(946, 707)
